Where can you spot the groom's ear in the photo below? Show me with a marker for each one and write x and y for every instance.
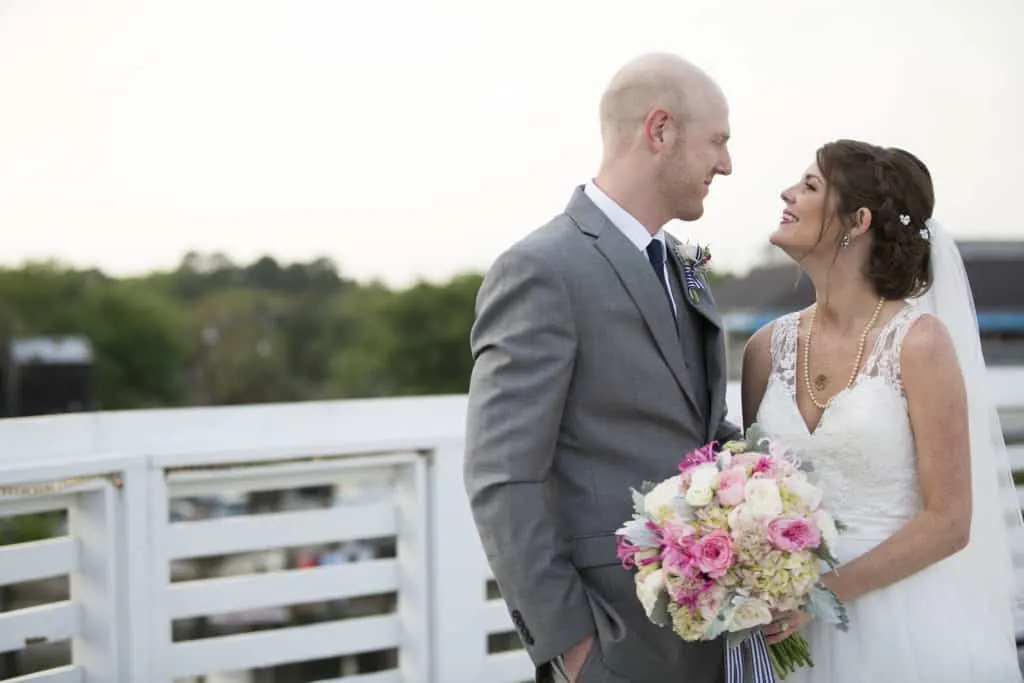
(655, 126)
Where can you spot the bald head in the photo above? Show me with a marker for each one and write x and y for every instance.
(650, 82)
(665, 126)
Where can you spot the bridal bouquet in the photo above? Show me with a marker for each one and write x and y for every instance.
(737, 534)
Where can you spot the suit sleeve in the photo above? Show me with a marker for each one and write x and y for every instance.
(524, 344)
(726, 430)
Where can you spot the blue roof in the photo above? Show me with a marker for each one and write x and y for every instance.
(988, 321)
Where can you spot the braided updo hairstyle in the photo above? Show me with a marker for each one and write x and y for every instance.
(891, 183)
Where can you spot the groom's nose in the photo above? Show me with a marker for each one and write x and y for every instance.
(725, 164)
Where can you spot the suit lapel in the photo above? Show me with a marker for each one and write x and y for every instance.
(704, 305)
(640, 282)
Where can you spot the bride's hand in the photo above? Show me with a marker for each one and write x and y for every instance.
(785, 625)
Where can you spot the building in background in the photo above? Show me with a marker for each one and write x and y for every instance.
(777, 287)
(47, 375)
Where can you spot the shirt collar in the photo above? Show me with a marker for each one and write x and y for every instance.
(620, 218)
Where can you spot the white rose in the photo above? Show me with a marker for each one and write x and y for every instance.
(702, 484)
(661, 497)
(748, 613)
(762, 499)
(688, 251)
(741, 521)
(808, 493)
(827, 525)
(649, 589)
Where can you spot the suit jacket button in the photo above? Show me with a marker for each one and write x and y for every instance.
(524, 633)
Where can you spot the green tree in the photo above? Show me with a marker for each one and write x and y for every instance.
(211, 331)
(426, 350)
(358, 365)
(240, 352)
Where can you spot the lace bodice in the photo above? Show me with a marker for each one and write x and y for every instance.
(862, 450)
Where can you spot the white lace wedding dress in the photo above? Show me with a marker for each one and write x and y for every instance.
(933, 627)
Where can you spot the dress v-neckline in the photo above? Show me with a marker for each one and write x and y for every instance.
(794, 395)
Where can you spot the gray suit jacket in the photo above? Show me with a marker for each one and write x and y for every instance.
(582, 387)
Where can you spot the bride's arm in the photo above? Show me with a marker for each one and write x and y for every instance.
(937, 404)
(757, 367)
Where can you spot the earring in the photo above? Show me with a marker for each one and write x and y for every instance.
(844, 242)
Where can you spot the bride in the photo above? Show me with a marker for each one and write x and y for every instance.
(880, 386)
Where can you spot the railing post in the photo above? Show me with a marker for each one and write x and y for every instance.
(97, 649)
(157, 565)
(413, 550)
(457, 573)
(136, 589)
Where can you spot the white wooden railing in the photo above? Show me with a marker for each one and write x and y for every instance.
(395, 469)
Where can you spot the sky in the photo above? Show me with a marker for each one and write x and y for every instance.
(411, 139)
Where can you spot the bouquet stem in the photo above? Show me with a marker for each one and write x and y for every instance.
(789, 655)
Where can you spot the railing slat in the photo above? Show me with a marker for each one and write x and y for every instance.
(278, 589)
(54, 622)
(15, 506)
(295, 644)
(63, 674)
(38, 560)
(496, 618)
(389, 676)
(1016, 456)
(291, 475)
(285, 529)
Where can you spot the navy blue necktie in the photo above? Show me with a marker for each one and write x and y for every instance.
(656, 255)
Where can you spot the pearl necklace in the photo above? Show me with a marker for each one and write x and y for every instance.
(856, 362)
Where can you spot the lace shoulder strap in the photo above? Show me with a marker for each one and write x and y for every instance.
(884, 360)
(784, 348)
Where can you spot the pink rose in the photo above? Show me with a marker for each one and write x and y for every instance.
(730, 486)
(790, 534)
(713, 553)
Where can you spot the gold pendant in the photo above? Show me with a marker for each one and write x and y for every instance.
(820, 382)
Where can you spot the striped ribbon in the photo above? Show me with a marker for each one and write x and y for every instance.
(693, 280)
(761, 670)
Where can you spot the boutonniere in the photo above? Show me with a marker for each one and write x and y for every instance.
(695, 260)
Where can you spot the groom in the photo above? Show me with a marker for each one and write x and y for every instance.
(597, 368)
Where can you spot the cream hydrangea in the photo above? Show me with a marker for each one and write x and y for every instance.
(714, 516)
(686, 623)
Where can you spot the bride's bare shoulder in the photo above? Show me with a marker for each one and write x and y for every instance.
(757, 367)
(757, 351)
(927, 340)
